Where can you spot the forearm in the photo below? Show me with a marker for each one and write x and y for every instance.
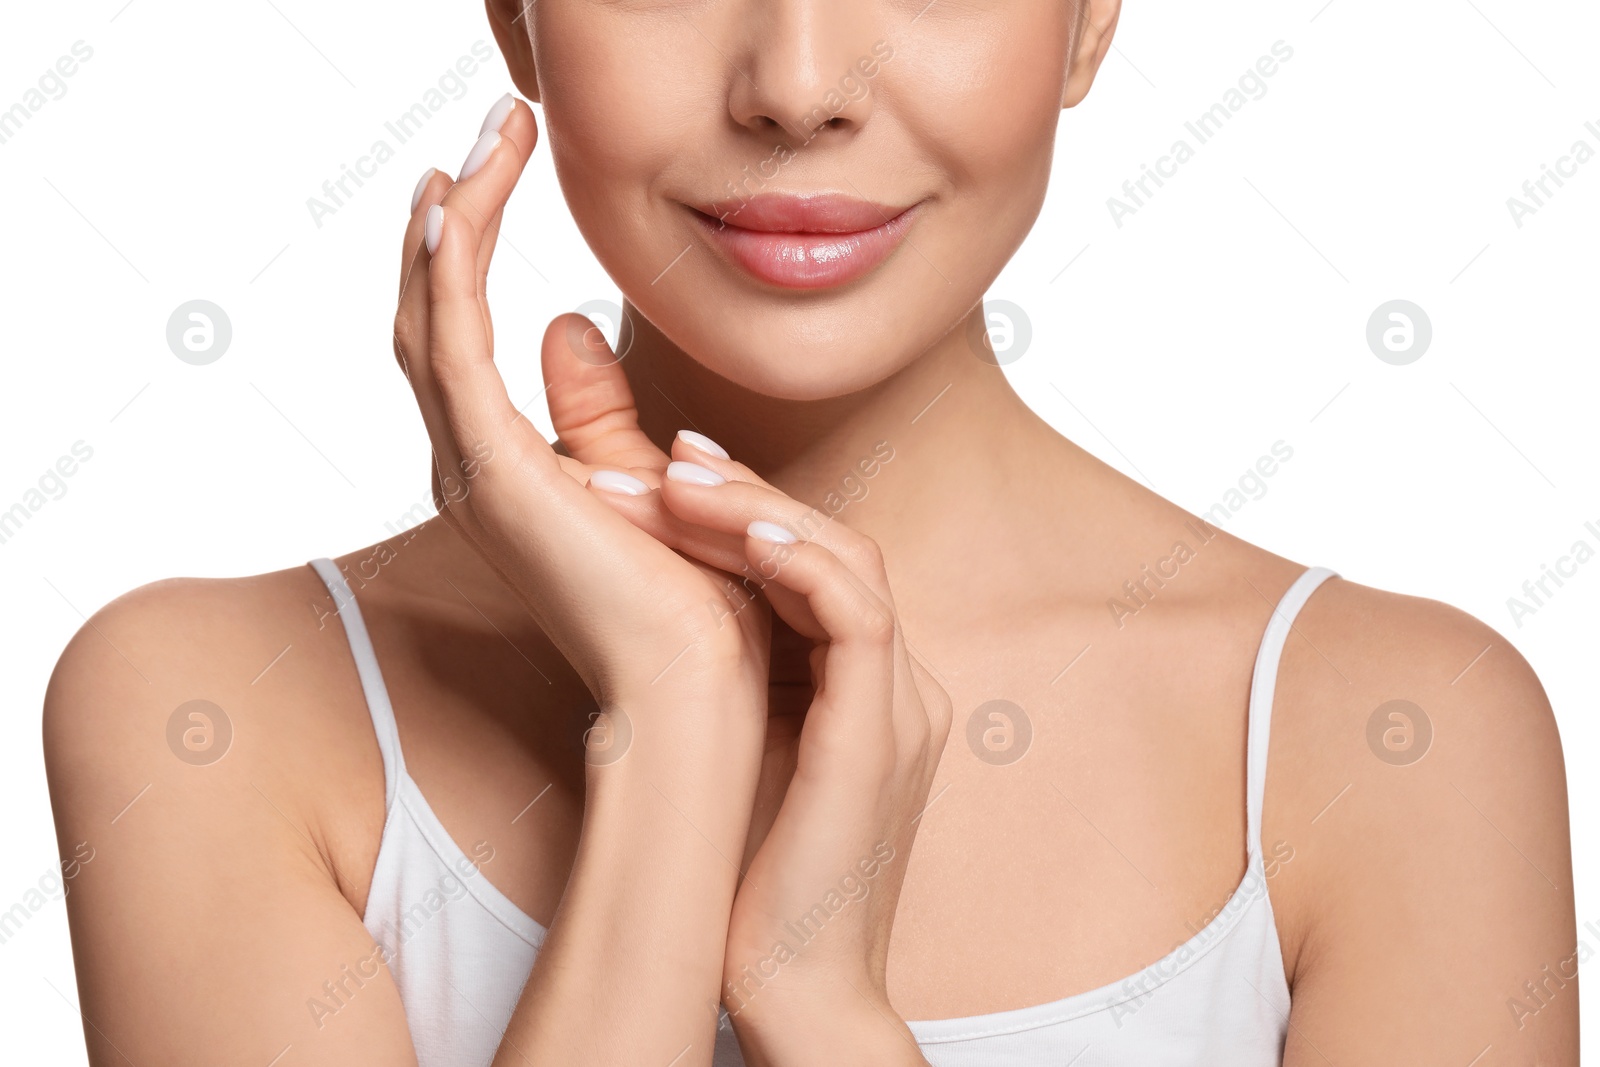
(631, 970)
(847, 1030)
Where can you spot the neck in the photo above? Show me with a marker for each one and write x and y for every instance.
(977, 503)
(941, 444)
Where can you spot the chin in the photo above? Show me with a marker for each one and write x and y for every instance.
(805, 350)
(787, 334)
(804, 345)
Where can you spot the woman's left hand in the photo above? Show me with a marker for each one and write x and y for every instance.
(809, 935)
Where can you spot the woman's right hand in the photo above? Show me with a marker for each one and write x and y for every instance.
(619, 605)
(646, 629)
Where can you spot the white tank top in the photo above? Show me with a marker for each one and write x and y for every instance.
(460, 951)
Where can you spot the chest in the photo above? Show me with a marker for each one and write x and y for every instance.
(1087, 817)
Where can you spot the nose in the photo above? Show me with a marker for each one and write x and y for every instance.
(804, 66)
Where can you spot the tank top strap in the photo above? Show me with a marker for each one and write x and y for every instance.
(1263, 684)
(377, 694)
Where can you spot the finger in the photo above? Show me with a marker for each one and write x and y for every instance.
(699, 495)
(591, 403)
(491, 240)
(411, 325)
(485, 257)
(490, 172)
(411, 312)
(459, 361)
(634, 495)
(692, 446)
(492, 167)
(857, 686)
(430, 190)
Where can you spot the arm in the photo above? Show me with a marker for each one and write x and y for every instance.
(207, 920)
(1439, 925)
(630, 969)
(807, 941)
(208, 923)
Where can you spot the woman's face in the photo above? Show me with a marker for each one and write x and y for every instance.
(804, 195)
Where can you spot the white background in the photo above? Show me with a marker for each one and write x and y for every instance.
(1228, 313)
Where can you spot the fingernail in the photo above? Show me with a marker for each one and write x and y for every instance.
(771, 533)
(416, 197)
(433, 228)
(479, 155)
(703, 443)
(498, 114)
(618, 482)
(693, 473)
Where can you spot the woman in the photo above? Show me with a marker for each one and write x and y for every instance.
(909, 733)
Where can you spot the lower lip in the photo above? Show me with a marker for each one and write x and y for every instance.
(809, 260)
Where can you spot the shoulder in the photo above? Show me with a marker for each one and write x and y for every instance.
(1411, 682)
(182, 639)
(197, 698)
(206, 773)
(1417, 788)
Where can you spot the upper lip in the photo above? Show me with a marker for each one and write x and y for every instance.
(819, 213)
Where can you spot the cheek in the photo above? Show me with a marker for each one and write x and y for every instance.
(984, 106)
(618, 110)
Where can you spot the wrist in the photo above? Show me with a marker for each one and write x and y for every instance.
(850, 1026)
(676, 762)
(686, 727)
(682, 663)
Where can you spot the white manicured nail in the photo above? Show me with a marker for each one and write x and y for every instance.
(771, 533)
(693, 473)
(416, 197)
(433, 228)
(498, 114)
(703, 443)
(479, 155)
(618, 482)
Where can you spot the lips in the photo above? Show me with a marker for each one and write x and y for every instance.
(805, 242)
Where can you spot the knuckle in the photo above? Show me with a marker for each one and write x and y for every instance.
(871, 623)
(408, 332)
(863, 552)
(701, 638)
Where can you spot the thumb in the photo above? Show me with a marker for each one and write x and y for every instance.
(591, 403)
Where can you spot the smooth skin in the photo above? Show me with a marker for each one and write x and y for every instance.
(779, 741)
